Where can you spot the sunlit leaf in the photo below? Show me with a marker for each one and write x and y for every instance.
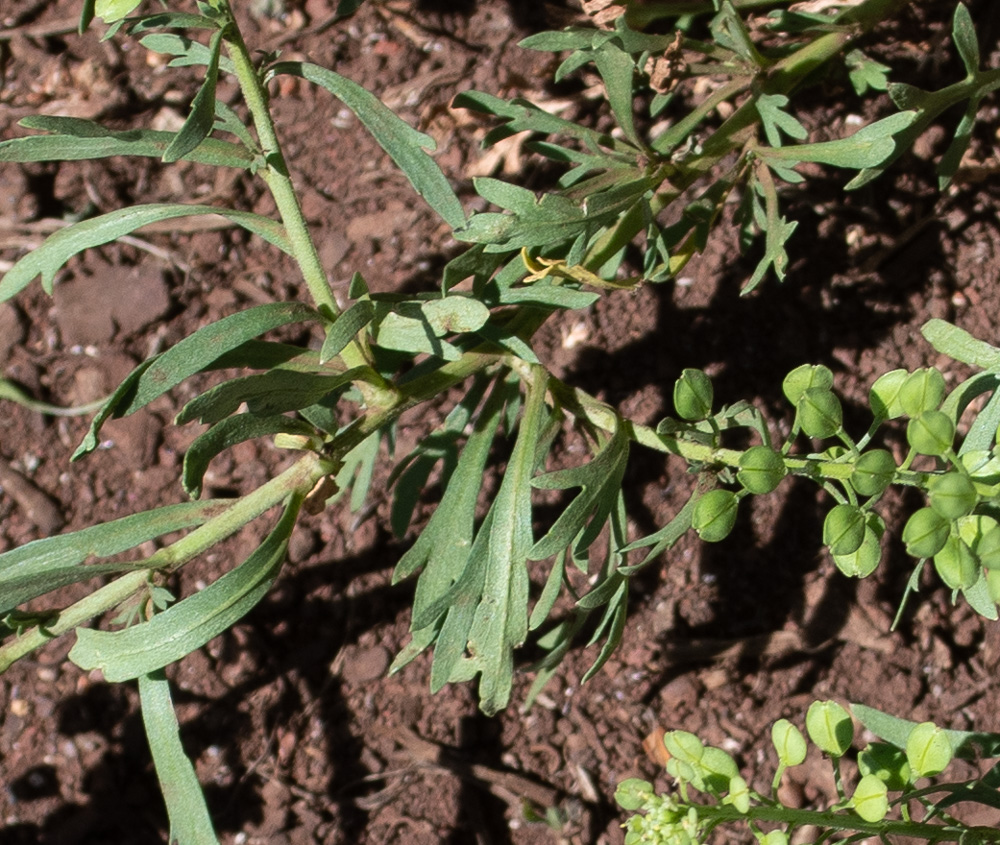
(191, 622)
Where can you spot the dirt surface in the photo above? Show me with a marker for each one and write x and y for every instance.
(298, 734)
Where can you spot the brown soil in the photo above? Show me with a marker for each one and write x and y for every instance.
(298, 734)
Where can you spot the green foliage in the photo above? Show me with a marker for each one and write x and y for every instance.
(654, 189)
(891, 798)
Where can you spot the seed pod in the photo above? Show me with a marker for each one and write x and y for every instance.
(871, 799)
(887, 763)
(884, 395)
(956, 564)
(982, 533)
(922, 391)
(714, 515)
(925, 533)
(873, 472)
(761, 469)
(717, 768)
(928, 750)
(820, 413)
(788, 742)
(693, 395)
(799, 380)
(739, 795)
(932, 433)
(633, 793)
(952, 495)
(865, 560)
(830, 727)
(684, 745)
(993, 584)
(844, 529)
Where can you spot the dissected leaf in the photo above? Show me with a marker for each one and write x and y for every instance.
(583, 518)
(770, 107)
(870, 146)
(193, 621)
(500, 623)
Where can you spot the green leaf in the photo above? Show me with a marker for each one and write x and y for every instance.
(274, 392)
(617, 69)
(198, 125)
(454, 314)
(192, 622)
(500, 623)
(41, 566)
(76, 139)
(186, 51)
(550, 592)
(226, 434)
(584, 517)
(968, 745)
(866, 73)
(870, 146)
(959, 344)
(193, 354)
(113, 10)
(443, 547)
(770, 107)
(404, 144)
(87, 14)
(190, 823)
(47, 259)
(345, 328)
(952, 158)
(170, 20)
(963, 33)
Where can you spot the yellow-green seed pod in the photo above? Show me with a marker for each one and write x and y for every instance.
(830, 727)
(928, 750)
(925, 533)
(114, 10)
(801, 379)
(761, 469)
(956, 564)
(952, 495)
(884, 395)
(871, 799)
(693, 395)
(887, 763)
(788, 742)
(715, 515)
(820, 413)
(932, 433)
(922, 391)
(739, 795)
(844, 529)
(865, 559)
(873, 472)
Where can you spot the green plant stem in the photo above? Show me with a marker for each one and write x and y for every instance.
(605, 417)
(846, 822)
(301, 477)
(276, 176)
(739, 127)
